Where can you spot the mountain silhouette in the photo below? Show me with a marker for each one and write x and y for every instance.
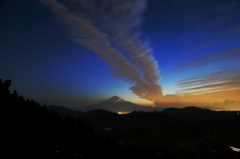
(100, 119)
(114, 99)
(32, 131)
(117, 104)
(64, 112)
(197, 113)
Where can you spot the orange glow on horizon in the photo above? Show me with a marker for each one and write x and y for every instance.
(123, 112)
(222, 100)
(146, 104)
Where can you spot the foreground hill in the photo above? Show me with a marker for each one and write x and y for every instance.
(30, 130)
(100, 119)
(64, 112)
(197, 113)
(188, 140)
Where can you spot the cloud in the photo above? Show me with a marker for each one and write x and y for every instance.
(231, 31)
(230, 39)
(109, 29)
(226, 105)
(125, 34)
(213, 86)
(217, 59)
(211, 82)
(218, 16)
(216, 10)
(210, 107)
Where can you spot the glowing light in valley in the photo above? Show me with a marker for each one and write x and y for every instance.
(235, 149)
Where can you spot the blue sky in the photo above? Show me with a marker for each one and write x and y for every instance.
(190, 41)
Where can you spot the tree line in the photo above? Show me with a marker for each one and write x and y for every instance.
(29, 130)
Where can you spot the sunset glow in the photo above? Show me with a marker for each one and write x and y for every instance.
(123, 112)
(79, 53)
(120, 78)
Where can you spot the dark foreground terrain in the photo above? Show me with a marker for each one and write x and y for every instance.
(33, 131)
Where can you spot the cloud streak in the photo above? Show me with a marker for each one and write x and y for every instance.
(217, 59)
(110, 29)
(235, 30)
(226, 105)
(211, 82)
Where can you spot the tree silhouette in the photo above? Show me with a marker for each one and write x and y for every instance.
(30, 130)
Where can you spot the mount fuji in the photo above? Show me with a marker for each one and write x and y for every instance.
(117, 104)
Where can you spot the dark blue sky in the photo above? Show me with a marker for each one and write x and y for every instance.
(194, 50)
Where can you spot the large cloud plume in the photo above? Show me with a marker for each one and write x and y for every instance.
(111, 29)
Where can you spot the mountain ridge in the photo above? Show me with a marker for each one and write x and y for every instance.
(189, 112)
(197, 113)
(117, 104)
(115, 99)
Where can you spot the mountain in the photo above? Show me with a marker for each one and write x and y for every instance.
(116, 104)
(192, 112)
(114, 99)
(100, 119)
(64, 112)
(104, 114)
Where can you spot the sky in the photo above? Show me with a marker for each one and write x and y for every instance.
(162, 53)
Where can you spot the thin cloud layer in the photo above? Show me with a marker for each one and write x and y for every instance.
(217, 59)
(211, 82)
(226, 105)
(235, 30)
(226, 76)
(110, 29)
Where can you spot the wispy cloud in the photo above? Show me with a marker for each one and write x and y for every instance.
(109, 28)
(211, 82)
(219, 18)
(200, 14)
(226, 105)
(218, 42)
(217, 59)
(235, 30)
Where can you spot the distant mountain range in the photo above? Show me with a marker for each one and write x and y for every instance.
(64, 112)
(196, 113)
(104, 114)
(116, 104)
(99, 118)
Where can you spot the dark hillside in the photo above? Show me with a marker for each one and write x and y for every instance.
(100, 119)
(192, 139)
(31, 131)
(197, 113)
(64, 112)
